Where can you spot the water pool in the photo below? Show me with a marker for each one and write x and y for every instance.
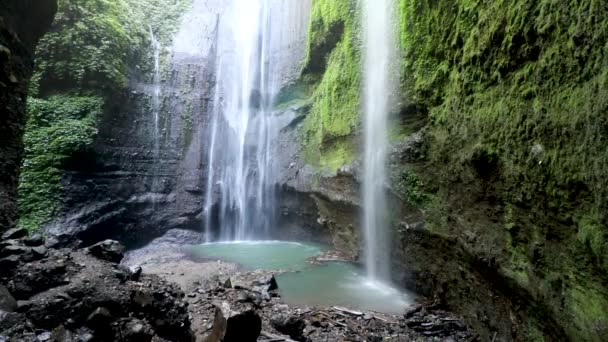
(331, 284)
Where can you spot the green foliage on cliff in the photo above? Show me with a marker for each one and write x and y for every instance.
(91, 52)
(58, 128)
(517, 92)
(517, 97)
(333, 55)
(96, 44)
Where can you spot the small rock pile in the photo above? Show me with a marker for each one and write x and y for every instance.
(83, 295)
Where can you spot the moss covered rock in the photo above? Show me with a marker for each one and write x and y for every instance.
(514, 96)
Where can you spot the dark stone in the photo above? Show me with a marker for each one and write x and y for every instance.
(290, 325)
(108, 250)
(229, 325)
(15, 233)
(34, 240)
(99, 319)
(40, 252)
(15, 250)
(8, 264)
(136, 330)
(135, 273)
(7, 302)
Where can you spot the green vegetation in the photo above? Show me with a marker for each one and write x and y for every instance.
(94, 44)
(411, 188)
(58, 128)
(333, 43)
(91, 52)
(516, 94)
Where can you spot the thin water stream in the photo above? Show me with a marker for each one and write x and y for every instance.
(378, 88)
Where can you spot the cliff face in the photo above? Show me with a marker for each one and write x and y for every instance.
(143, 172)
(22, 23)
(138, 108)
(498, 164)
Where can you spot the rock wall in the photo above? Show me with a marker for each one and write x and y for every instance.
(144, 172)
(497, 171)
(143, 176)
(22, 23)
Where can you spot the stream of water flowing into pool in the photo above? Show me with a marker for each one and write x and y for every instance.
(378, 55)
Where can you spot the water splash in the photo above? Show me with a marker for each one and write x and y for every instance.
(251, 68)
(379, 45)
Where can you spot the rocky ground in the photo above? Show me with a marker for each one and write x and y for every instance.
(68, 295)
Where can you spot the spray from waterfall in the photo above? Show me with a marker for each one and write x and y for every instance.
(378, 55)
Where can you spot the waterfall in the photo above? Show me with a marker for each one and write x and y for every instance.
(156, 91)
(155, 104)
(379, 45)
(251, 68)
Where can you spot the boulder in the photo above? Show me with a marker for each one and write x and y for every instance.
(100, 319)
(15, 233)
(34, 240)
(290, 325)
(136, 330)
(108, 250)
(7, 302)
(235, 325)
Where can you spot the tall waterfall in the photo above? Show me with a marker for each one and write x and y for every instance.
(379, 45)
(253, 37)
(156, 91)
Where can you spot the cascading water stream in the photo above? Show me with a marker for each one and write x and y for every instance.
(378, 55)
(156, 101)
(156, 91)
(250, 71)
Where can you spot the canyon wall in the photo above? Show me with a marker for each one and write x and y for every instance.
(498, 168)
(22, 23)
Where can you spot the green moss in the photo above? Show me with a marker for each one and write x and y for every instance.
(517, 93)
(334, 115)
(57, 129)
(592, 234)
(411, 188)
(589, 309)
(95, 44)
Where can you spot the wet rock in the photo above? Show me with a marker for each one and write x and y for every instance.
(35, 277)
(290, 325)
(7, 302)
(230, 325)
(99, 319)
(40, 252)
(15, 233)
(261, 282)
(135, 273)
(34, 240)
(45, 336)
(108, 250)
(136, 330)
(22, 251)
(8, 264)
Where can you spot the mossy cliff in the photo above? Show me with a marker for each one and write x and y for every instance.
(22, 23)
(94, 50)
(332, 66)
(514, 99)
